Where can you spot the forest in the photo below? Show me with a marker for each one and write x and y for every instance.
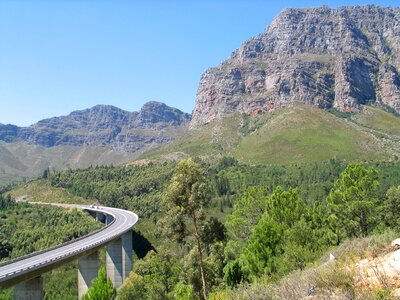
(141, 189)
(28, 228)
(208, 229)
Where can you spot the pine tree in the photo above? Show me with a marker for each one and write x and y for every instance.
(353, 202)
(102, 288)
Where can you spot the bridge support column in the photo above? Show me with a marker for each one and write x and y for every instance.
(114, 262)
(88, 268)
(29, 290)
(109, 219)
(127, 259)
(100, 217)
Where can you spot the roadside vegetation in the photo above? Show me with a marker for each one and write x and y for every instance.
(222, 230)
(28, 228)
(268, 235)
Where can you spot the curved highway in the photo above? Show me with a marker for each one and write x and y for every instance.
(32, 265)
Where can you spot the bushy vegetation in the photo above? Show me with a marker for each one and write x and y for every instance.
(140, 188)
(27, 228)
(268, 235)
(216, 227)
(135, 188)
(41, 190)
(337, 279)
(101, 289)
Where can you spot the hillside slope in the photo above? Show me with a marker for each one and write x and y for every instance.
(101, 135)
(22, 160)
(296, 134)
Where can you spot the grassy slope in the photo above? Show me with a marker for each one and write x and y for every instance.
(300, 133)
(41, 191)
(307, 134)
(21, 160)
(380, 120)
(215, 138)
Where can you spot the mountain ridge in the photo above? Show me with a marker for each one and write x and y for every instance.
(340, 58)
(100, 125)
(252, 106)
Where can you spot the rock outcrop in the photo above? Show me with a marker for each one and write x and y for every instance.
(327, 57)
(104, 125)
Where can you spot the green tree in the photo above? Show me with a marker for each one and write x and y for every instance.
(285, 207)
(186, 200)
(233, 273)
(183, 292)
(240, 223)
(392, 207)
(6, 202)
(159, 272)
(134, 287)
(281, 240)
(213, 231)
(102, 288)
(353, 202)
(259, 256)
(5, 249)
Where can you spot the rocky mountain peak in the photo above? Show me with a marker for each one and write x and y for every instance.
(99, 116)
(327, 57)
(154, 112)
(103, 125)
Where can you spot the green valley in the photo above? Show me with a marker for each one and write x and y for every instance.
(283, 181)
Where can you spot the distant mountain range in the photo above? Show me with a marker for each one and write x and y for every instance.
(318, 83)
(103, 125)
(101, 135)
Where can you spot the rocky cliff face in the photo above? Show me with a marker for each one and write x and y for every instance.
(338, 58)
(104, 125)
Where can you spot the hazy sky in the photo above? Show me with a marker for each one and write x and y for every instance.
(60, 56)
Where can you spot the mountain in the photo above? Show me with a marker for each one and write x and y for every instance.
(298, 133)
(103, 125)
(339, 58)
(319, 83)
(101, 135)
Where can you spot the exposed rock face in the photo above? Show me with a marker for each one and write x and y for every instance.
(104, 125)
(158, 115)
(338, 58)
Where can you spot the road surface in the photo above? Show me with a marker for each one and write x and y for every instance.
(32, 265)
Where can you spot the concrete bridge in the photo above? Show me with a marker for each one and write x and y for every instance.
(24, 273)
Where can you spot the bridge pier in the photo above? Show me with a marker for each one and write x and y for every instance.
(109, 219)
(88, 268)
(114, 262)
(29, 290)
(127, 258)
(100, 217)
(119, 257)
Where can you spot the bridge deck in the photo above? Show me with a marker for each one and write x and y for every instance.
(32, 265)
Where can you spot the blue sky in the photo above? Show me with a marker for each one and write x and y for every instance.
(60, 56)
